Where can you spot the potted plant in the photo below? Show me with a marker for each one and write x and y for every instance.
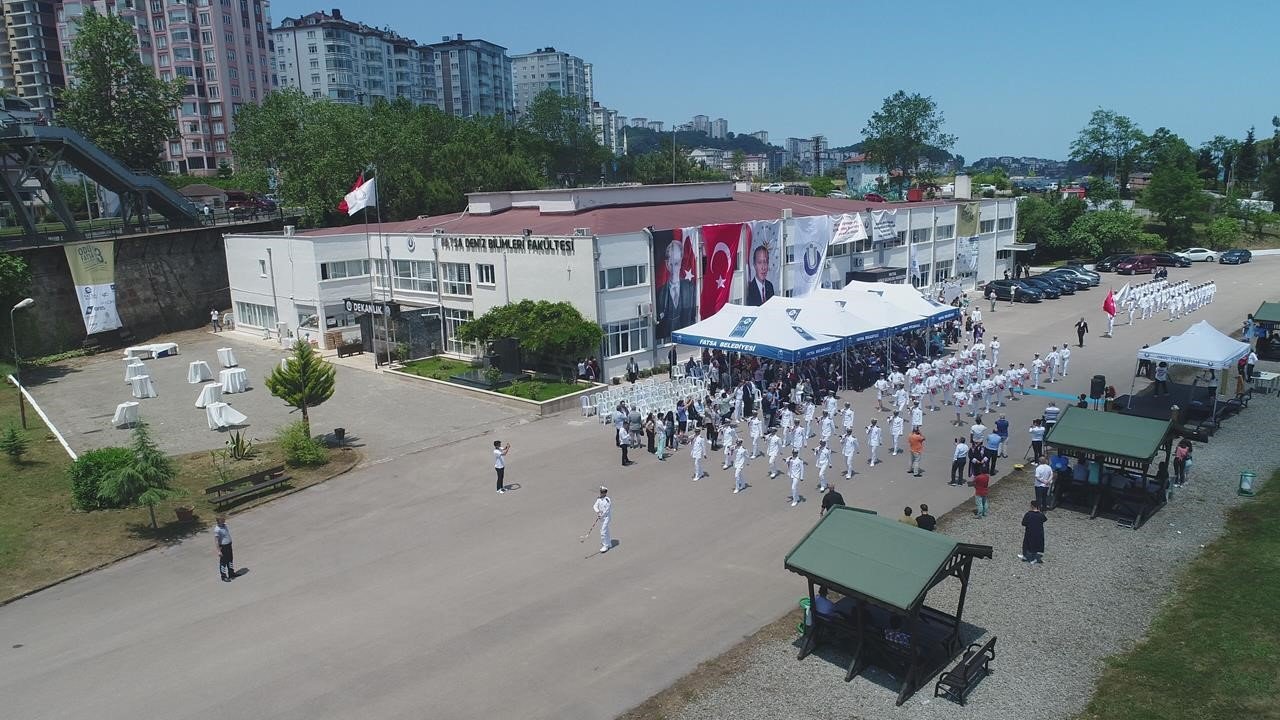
(185, 513)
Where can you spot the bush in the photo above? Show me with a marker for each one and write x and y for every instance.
(90, 470)
(14, 444)
(300, 449)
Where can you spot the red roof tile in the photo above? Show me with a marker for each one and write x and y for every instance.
(744, 207)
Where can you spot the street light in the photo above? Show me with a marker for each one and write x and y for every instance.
(17, 362)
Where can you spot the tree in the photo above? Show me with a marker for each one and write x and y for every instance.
(898, 134)
(1160, 146)
(1038, 224)
(1110, 142)
(1247, 161)
(145, 480)
(1106, 232)
(1206, 167)
(1175, 195)
(114, 100)
(822, 186)
(1224, 153)
(1271, 174)
(1101, 190)
(790, 172)
(738, 164)
(305, 381)
(554, 330)
(1222, 233)
(560, 140)
(14, 444)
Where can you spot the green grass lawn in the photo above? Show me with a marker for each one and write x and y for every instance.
(1213, 651)
(436, 368)
(44, 538)
(541, 390)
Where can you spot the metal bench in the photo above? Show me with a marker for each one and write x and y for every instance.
(956, 683)
(247, 485)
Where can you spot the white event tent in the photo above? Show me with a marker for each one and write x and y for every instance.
(1202, 346)
(760, 331)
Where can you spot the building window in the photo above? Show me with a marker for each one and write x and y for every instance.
(920, 235)
(628, 276)
(625, 337)
(941, 270)
(175, 149)
(485, 274)
(946, 232)
(457, 279)
(987, 226)
(263, 316)
(899, 239)
(262, 268)
(1004, 254)
(410, 275)
(1004, 223)
(453, 319)
(921, 277)
(343, 269)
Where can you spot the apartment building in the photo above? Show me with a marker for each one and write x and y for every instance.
(30, 57)
(328, 56)
(473, 77)
(220, 48)
(549, 69)
(719, 129)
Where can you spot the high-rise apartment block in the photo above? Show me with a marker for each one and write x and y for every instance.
(30, 57)
(549, 69)
(702, 123)
(719, 128)
(221, 49)
(473, 77)
(327, 56)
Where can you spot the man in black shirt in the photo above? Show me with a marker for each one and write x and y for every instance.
(924, 520)
(831, 499)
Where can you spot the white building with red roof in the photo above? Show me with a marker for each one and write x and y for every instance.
(593, 247)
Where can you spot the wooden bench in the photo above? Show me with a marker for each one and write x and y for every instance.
(955, 683)
(350, 349)
(247, 485)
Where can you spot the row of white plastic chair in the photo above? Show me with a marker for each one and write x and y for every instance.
(653, 395)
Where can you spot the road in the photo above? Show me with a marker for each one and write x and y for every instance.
(409, 589)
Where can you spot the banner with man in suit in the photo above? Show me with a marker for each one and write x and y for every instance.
(675, 263)
(764, 274)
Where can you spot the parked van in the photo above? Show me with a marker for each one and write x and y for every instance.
(1137, 264)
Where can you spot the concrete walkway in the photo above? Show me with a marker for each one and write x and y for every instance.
(410, 589)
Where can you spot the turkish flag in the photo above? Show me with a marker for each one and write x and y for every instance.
(342, 206)
(1109, 305)
(720, 257)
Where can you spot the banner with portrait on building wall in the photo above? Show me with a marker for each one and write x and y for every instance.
(764, 268)
(675, 263)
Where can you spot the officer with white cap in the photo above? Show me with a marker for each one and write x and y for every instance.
(604, 512)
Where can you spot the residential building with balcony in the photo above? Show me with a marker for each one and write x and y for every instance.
(719, 129)
(473, 77)
(549, 69)
(30, 57)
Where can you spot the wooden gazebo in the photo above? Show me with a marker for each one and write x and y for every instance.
(884, 569)
(1114, 454)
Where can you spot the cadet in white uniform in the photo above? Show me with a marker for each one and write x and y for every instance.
(739, 462)
(788, 419)
(775, 447)
(755, 427)
(1052, 359)
(799, 439)
(1065, 356)
(831, 405)
(995, 350)
(698, 451)
(874, 435)
(809, 409)
(896, 425)
(900, 399)
(848, 448)
(917, 415)
(604, 513)
(728, 436)
(826, 427)
(847, 418)
(824, 461)
(795, 469)
(882, 389)
(1037, 366)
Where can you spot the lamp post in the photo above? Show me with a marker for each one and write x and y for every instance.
(17, 362)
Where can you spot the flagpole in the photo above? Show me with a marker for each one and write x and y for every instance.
(373, 344)
(386, 254)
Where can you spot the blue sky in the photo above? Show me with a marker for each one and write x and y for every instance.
(1011, 78)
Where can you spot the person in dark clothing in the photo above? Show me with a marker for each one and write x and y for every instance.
(1082, 329)
(1033, 535)
(1083, 401)
(830, 500)
(924, 520)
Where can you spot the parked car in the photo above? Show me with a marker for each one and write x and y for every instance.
(1048, 288)
(1235, 257)
(874, 197)
(1065, 285)
(1168, 259)
(838, 195)
(1199, 254)
(1003, 290)
(1108, 263)
(773, 188)
(1136, 264)
(1089, 277)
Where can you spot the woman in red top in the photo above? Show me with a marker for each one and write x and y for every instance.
(980, 484)
(1181, 457)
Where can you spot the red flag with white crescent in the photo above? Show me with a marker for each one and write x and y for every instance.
(720, 261)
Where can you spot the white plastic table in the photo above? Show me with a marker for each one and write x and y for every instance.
(133, 368)
(126, 414)
(222, 415)
(227, 357)
(154, 350)
(1268, 379)
(143, 387)
(209, 394)
(198, 371)
(234, 380)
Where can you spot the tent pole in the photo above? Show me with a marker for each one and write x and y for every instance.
(1133, 384)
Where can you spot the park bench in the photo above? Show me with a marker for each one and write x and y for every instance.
(247, 485)
(955, 683)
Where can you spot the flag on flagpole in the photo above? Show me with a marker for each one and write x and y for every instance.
(1109, 305)
(362, 197)
(914, 264)
(1123, 294)
(342, 206)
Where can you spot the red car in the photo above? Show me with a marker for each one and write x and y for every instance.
(1136, 264)
(874, 197)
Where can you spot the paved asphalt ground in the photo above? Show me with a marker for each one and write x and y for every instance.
(409, 589)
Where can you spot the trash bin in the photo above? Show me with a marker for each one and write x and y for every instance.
(340, 434)
(808, 618)
(1246, 483)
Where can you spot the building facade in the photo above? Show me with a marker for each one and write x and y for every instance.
(31, 65)
(549, 69)
(327, 56)
(592, 247)
(222, 51)
(719, 129)
(473, 77)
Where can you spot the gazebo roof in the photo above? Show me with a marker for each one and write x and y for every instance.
(864, 554)
(1268, 312)
(1109, 434)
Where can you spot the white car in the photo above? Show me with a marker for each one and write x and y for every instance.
(773, 188)
(1199, 254)
(838, 195)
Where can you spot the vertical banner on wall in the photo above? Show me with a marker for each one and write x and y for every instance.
(764, 272)
(809, 240)
(93, 270)
(884, 225)
(967, 217)
(720, 244)
(675, 267)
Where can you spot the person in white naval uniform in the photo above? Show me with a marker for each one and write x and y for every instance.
(774, 447)
(739, 462)
(896, 426)
(698, 451)
(604, 514)
(823, 458)
(755, 427)
(848, 448)
(874, 437)
(795, 470)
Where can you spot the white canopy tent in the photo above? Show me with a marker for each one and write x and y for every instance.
(1201, 345)
(906, 297)
(829, 316)
(762, 331)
